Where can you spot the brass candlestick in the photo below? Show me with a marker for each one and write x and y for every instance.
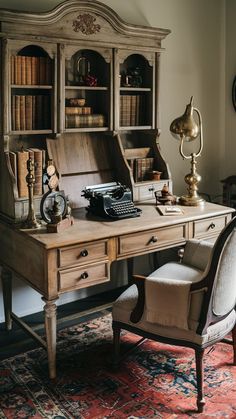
(31, 221)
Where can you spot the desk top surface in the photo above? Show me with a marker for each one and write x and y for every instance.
(88, 228)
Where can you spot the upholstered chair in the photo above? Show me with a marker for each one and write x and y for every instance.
(189, 304)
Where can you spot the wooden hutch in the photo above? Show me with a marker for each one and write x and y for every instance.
(82, 86)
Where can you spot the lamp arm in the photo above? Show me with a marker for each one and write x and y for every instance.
(201, 133)
(181, 146)
(201, 139)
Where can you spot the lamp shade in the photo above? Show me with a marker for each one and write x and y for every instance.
(185, 125)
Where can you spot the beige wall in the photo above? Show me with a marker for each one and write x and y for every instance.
(193, 64)
(228, 158)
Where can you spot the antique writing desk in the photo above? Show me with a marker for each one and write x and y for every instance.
(81, 256)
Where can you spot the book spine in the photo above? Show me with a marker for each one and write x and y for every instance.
(28, 70)
(17, 113)
(28, 113)
(12, 69)
(22, 157)
(23, 69)
(22, 113)
(34, 70)
(17, 69)
(13, 113)
(33, 112)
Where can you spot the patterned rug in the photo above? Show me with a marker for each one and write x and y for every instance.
(153, 381)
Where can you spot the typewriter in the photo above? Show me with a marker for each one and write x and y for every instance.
(110, 200)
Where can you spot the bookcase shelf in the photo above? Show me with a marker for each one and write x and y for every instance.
(135, 89)
(97, 88)
(31, 87)
(82, 86)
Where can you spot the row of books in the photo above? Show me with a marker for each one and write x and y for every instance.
(18, 161)
(131, 110)
(85, 121)
(31, 70)
(141, 168)
(30, 112)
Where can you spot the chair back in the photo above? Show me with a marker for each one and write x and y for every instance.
(220, 298)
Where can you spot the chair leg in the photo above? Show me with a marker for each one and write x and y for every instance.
(199, 372)
(234, 343)
(116, 346)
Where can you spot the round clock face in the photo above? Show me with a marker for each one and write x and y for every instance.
(47, 205)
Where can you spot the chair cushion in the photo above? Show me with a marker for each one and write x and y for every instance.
(123, 306)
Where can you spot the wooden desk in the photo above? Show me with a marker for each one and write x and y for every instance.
(81, 256)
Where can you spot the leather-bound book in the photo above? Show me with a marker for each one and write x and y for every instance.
(17, 69)
(38, 170)
(23, 70)
(28, 70)
(12, 69)
(22, 113)
(34, 70)
(17, 112)
(28, 112)
(22, 157)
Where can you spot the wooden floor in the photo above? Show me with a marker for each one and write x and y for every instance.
(18, 341)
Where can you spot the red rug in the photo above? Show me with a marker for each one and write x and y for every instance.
(154, 381)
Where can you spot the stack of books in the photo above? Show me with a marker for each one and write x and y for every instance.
(18, 161)
(82, 117)
(141, 168)
(131, 110)
(31, 70)
(30, 112)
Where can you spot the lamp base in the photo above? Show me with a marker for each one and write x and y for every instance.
(191, 201)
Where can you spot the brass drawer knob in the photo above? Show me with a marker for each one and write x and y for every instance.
(84, 275)
(84, 253)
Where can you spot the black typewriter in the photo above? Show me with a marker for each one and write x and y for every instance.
(110, 200)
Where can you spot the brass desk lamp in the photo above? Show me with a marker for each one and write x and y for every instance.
(186, 129)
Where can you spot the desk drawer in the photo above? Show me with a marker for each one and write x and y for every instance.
(83, 277)
(151, 240)
(208, 227)
(84, 253)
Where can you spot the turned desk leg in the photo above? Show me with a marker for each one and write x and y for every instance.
(50, 313)
(6, 276)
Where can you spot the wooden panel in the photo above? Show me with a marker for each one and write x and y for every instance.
(208, 227)
(150, 240)
(80, 153)
(83, 277)
(83, 253)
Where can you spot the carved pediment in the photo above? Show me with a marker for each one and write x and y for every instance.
(76, 19)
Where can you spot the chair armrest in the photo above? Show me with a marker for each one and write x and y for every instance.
(139, 281)
(197, 253)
